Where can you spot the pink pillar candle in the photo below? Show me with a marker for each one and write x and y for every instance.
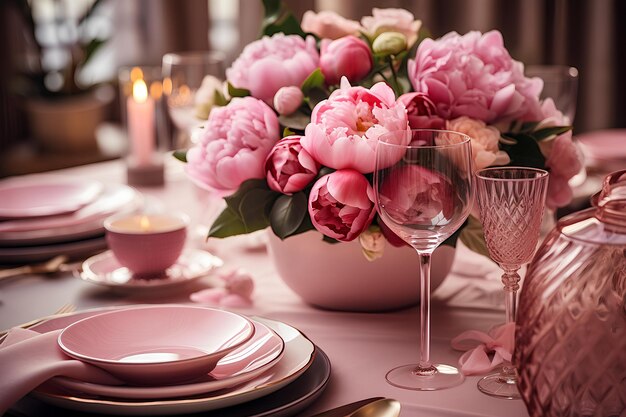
(141, 110)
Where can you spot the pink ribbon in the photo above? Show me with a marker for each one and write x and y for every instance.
(485, 351)
(236, 292)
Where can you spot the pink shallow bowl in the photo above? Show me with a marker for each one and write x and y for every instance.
(156, 345)
(45, 196)
(150, 252)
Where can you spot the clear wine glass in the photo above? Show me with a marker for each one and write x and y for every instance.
(560, 83)
(183, 73)
(424, 193)
(511, 202)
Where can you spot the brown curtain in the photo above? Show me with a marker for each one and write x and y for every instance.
(587, 34)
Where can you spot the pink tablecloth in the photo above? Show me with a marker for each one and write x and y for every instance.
(361, 347)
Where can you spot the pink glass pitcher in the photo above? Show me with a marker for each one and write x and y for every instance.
(571, 324)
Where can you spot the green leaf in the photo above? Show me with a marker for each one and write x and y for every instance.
(254, 208)
(272, 7)
(287, 214)
(315, 96)
(91, 48)
(329, 239)
(228, 223)
(472, 236)
(314, 80)
(523, 150)
(279, 19)
(237, 92)
(219, 99)
(550, 132)
(234, 200)
(297, 120)
(181, 155)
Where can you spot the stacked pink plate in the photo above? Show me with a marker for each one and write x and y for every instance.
(247, 366)
(46, 215)
(604, 150)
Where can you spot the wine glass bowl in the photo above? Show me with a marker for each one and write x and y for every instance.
(424, 193)
(183, 74)
(511, 201)
(560, 83)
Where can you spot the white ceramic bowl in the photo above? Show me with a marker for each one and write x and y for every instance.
(156, 345)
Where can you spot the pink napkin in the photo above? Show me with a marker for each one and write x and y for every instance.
(28, 358)
(485, 351)
(236, 291)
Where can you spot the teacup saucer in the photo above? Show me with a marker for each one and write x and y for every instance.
(103, 269)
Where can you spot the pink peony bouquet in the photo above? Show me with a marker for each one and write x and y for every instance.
(292, 145)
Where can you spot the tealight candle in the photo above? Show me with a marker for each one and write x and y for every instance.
(147, 244)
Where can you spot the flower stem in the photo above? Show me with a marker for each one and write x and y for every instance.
(395, 85)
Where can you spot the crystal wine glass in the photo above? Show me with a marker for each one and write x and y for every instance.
(560, 83)
(424, 193)
(182, 76)
(511, 202)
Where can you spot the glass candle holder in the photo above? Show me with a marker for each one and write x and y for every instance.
(141, 91)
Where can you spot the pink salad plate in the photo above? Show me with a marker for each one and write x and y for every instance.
(40, 253)
(103, 269)
(604, 148)
(297, 379)
(131, 343)
(45, 196)
(82, 223)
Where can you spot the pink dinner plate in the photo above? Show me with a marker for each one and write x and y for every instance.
(131, 344)
(45, 196)
(604, 147)
(103, 269)
(82, 223)
(252, 359)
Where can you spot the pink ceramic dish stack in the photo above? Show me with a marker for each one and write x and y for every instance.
(48, 215)
(173, 359)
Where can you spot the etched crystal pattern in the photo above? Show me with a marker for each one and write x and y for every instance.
(571, 335)
(511, 213)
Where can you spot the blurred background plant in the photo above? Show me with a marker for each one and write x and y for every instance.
(62, 40)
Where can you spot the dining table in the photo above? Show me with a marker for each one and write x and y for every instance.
(362, 347)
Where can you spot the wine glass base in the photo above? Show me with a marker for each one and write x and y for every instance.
(497, 386)
(443, 376)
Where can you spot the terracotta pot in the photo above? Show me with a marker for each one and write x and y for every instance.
(68, 124)
(338, 277)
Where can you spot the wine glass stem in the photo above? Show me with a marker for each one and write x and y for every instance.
(510, 279)
(425, 367)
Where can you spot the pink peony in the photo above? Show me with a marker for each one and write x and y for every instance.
(391, 20)
(341, 204)
(562, 156)
(474, 75)
(328, 25)
(484, 141)
(348, 56)
(269, 63)
(345, 128)
(421, 111)
(414, 194)
(564, 162)
(233, 145)
(288, 99)
(288, 167)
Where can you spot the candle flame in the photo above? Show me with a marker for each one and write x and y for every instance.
(136, 74)
(140, 91)
(144, 223)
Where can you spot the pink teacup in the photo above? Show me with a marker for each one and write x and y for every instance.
(147, 244)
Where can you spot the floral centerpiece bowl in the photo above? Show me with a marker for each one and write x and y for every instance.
(291, 136)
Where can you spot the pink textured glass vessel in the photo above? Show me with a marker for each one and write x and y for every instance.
(511, 202)
(571, 334)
